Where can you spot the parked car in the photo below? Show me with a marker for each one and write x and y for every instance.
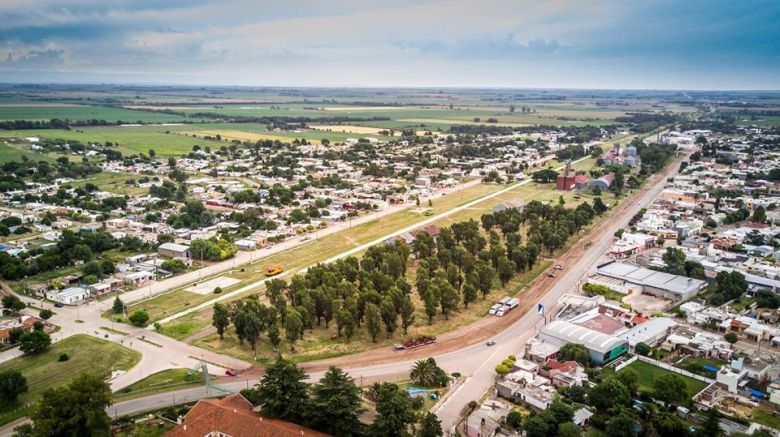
(231, 372)
(558, 267)
(57, 304)
(551, 275)
(491, 342)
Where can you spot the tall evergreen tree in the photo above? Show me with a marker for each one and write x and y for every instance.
(283, 392)
(335, 404)
(394, 412)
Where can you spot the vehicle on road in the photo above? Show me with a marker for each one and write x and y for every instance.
(415, 343)
(491, 342)
(551, 275)
(558, 267)
(58, 305)
(273, 270)
(231, 372)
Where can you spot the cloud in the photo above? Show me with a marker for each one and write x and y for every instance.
(344, 42)
(33, 60)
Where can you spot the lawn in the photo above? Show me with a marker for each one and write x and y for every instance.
(14, 152)
(648, 373)
(114, 183)
(44, 371)
(149, 428)
(766, 417)
(696, 365)
(160, 382)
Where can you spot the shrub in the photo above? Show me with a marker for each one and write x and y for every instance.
(514, 419)
(63, 357)
(139, 318)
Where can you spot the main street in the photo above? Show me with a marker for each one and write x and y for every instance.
(475, 361)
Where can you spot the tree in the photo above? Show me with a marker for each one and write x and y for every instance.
(34, 342)
(669, 424)
(389, 316)
(407, 313)
(12, 384)
(74, 410)
(430, 426)
(373, 321)
(394, 412)
(598, 206)
(469, 294)
(220, 319)
(670, 388)
(12, 303)
(711, 425)
(293, 325)
(561, 411)
(273, 335)
(630, 379)
(544, 176)
(731, 337)
(139, 318)
(674, 259)
(431, 304)
(568, 429)
(536, 426)
(514, 419)
(46, 314)
(610, 392)
(335, 404)
(622, 425)
(283, 392)
(448, 298)
(574, 352)
(642, 348)
(428, 374)
(759, 215)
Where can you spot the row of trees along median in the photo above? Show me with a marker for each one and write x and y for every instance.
(465, 260)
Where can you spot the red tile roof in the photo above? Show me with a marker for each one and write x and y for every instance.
(234, 416)
(565, 366)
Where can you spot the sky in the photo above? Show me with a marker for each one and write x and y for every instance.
(608, 44)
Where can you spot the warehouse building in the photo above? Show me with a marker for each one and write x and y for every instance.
(660, 284)
(601, 347)
(174, 250)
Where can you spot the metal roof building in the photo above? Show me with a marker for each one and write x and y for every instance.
(661, 284)
(601, 347)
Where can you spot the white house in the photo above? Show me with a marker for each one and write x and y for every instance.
(68, 296)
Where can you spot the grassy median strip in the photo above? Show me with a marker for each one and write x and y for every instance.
(160, 382)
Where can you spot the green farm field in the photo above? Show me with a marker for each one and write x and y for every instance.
(82, 112)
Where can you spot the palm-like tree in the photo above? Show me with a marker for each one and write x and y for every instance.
(425, 373)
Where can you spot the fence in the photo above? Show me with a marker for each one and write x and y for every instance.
(625, 363)
(671, 368)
